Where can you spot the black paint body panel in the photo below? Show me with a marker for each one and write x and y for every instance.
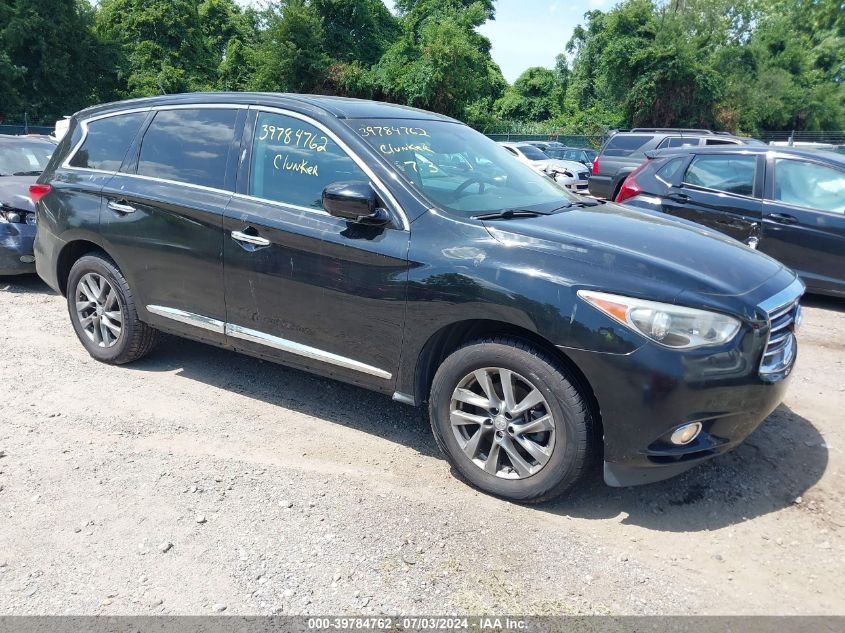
(382, 296)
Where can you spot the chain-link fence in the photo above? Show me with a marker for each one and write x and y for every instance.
(17, 130)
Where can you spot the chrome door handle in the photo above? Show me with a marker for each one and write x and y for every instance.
(121, 207)
(250, 239)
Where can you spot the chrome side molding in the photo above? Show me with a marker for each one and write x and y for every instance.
(261, 338)
(299, 349)
(197, 320)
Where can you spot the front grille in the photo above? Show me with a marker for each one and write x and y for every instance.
(781, 346)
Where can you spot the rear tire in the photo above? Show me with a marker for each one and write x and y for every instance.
(542, 451)
(102, 310)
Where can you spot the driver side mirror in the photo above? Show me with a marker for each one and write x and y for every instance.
(355, 201)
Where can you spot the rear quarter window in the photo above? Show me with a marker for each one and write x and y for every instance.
(107, 141)
(625, 144)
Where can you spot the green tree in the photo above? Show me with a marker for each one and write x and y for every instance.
(161, 45)
(290, 55)
(536, 95)
(49, 60)
(440, 62)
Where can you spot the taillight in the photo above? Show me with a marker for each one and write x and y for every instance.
(629, 187)
(36, 192)
(596, 164)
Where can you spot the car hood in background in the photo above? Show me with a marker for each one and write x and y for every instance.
(14, 192)
(555, 164)
(669, 256)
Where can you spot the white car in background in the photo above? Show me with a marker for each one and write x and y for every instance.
(569, 173)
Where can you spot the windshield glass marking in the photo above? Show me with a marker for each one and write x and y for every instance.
(460, 169)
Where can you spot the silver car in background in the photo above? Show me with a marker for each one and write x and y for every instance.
(569, 173)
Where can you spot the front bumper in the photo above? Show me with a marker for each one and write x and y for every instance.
(16, 248)
(646, 394)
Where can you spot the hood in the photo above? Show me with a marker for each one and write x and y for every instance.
(14, 192)
(556, 164)
(667, 256)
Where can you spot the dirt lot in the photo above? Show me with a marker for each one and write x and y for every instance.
(198, 480)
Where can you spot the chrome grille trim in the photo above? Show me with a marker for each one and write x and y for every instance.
(781, 347)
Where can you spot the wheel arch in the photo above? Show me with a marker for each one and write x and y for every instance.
(452, 336)
(69, 255)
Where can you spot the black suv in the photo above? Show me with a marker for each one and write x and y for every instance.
(624, 151)
(788, 203)
(404, 252)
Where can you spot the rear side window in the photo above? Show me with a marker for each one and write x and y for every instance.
(293, 161)
(731, 174)
(625, 144)
(719, 141)
(679, 141)
(107, 142)
(670, 169)
(810, 185)
(190, 146)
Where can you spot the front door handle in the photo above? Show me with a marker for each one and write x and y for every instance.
(121, 206)
(782, 218)
(255, 240)
(678, 197)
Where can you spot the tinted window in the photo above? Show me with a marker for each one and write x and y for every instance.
(719, 141)
(293, 161)
(810, 185)
(625, 144)
(668, 171)
(189, 146)
(678, 141)
(731, 174)
(107, 142)
(532, 153)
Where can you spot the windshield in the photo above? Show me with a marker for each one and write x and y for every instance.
(24, 158)
(460, 169)
(554, 152)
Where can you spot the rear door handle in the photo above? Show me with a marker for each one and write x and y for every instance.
(121, 206)
(255, 240)
(782, 218)
(678, 197)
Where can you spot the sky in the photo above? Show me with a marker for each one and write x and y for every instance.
(528, 33)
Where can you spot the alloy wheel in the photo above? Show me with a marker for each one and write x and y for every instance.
(98, 310)
(502, 423)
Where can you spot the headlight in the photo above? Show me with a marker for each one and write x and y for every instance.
(670, 325)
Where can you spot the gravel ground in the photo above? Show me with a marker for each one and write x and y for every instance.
(199, 481)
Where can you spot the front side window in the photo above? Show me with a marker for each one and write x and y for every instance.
(731, 174)
(107, 142)
(293, 161)
(810, 185)
(459, 169)
(190, 146)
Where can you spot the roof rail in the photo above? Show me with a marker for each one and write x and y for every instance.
(674, 130)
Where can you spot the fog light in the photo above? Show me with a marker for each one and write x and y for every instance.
(686, 433)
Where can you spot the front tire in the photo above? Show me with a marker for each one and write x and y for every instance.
(102, 310)
(511, 420)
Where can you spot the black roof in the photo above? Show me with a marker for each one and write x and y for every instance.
(339, 107)
(831, 157)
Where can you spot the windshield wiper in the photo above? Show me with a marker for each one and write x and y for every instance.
(27, 173)
(583, 203)
(509, 214)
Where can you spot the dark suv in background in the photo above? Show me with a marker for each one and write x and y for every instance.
(623, 152)
(543, 329)
(788, 203)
